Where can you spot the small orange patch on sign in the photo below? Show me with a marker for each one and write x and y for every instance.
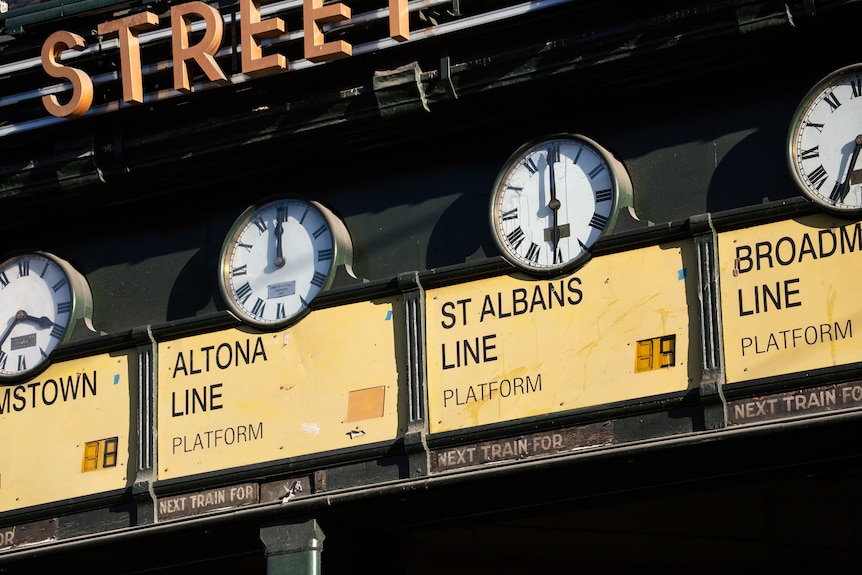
(655, 353)
(365, 403)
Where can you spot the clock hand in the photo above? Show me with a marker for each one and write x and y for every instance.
(279, 255)
(19, 315)
(841, 191)
(554, 204)
(40, 321)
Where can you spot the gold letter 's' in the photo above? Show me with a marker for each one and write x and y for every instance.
(82, 84)
(130, 51)
(315, 13)
(399, 20)
(203, 52)
(253, 61)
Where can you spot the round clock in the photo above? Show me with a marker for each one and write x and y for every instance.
(552, 201)
(278, 256)
(825, 139)
(41, 297)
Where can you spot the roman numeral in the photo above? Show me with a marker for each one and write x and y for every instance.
(279, 311)
(261, 225)
(257, 309)
(509, 215)
(814, 125)
(832, 100)
(239, 271)
(319, 231)
(57, 331)
(596, 171)
(598, 221)
(23, 268)
(22, 363)
(246, 246)
(281, 213)
(533, 253)
(324, 255)
(318, 279)
(60, 285)
(856, 86)
(3, 357)
(515, 237)
(817, 177)
(243, 293)
(4, 279)
(810, 153)
(64, 307)
(531, 166)
(305, 213)
(604, 195)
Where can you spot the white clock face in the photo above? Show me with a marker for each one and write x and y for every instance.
(552, 202)
(276, 260)
(35, 308)
(825, 140)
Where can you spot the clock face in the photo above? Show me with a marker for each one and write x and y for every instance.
(552, 201)
(37, 298)
(825, 140)
(276, 259)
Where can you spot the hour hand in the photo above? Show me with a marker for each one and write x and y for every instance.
(279, 253)
(40, 321)
(841, 190)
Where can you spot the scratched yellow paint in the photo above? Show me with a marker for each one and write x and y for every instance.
(790, 296)
(241, 397)
(512, 347)
(47, 422)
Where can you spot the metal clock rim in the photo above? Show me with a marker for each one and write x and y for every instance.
(621, 195)
(791, 146)
(81, 307)
(334, 224)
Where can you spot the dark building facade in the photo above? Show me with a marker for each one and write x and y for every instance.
(557, 286)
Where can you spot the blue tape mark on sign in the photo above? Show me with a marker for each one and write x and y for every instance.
(389, 315)
(680, 275)
(116, 378)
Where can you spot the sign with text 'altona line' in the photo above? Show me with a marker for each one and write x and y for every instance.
(509, 347)
(790, 296)
(66, 431)
(239, 397)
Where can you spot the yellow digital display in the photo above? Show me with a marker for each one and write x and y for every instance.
(239, 397)
(66, 432)
(789, 296)
(512, 347)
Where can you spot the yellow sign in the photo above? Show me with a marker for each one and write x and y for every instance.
(508, 347)
(240, 397)
(790, 296)
(66, 432)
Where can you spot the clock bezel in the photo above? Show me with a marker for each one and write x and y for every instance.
(342, 248)
(805, 104)
(81, 308)
(622, 196)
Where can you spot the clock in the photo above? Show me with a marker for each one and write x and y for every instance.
(278, 256)
(41, 298)
(553, 199)
(825, 139)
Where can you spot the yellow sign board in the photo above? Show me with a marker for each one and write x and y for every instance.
(510, 347)
(66, 431)
(790, 296)
(240, 397)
